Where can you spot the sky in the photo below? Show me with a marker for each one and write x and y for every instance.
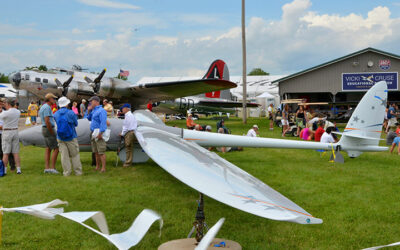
(182, 38)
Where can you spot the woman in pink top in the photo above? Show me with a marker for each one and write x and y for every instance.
(75, 108)
(307, 134)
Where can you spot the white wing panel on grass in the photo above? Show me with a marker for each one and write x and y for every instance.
(217, 178)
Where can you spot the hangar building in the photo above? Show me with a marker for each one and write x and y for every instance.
(345, 79)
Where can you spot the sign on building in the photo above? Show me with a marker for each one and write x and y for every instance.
(364, 81)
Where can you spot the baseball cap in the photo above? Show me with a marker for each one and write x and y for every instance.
(95, 98)
(126, 105)
(63, 102)
(255, 126)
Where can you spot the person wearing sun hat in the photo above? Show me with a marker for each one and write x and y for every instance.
(128, 132)
(68, 145)
(253, 132)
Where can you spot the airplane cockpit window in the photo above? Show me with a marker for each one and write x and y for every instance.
(26, 77)
(45, 80)
(37, 79)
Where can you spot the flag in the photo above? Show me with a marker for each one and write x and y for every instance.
(124, 73)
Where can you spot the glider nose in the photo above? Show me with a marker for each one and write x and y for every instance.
(15, 80)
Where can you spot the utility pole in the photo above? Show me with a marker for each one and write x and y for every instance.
(244, 63)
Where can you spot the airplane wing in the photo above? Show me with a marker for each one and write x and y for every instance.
(171, 90)
(217, 178)
(226, 104)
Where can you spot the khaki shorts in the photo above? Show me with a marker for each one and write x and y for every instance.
(98, 146)
(10, 141)
(49, 139)
(392, 122)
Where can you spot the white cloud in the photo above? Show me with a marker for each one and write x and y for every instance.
(301, 38)
(109, 4)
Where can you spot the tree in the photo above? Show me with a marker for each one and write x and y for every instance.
(3, 78)
(258, 72)
(125, 78)
(43, 67)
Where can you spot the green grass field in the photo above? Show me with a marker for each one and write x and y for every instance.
(358, 200)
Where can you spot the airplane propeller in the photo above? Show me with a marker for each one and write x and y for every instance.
(95, 84)
(64, 86)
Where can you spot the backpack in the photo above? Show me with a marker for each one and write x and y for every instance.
(64, 130)
(1, 168)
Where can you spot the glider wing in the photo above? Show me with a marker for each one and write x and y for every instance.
(217, 178)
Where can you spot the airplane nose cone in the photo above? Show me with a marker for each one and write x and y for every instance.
(15, 80)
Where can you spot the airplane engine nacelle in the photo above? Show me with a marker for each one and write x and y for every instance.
(114, 88)
(77, 90)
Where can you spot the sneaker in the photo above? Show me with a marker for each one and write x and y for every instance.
(54, 171)
(46, 171)
(19, 171)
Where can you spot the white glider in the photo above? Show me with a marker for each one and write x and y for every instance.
(379, 247)
(213, 176)
(124, 240)
(180, 153)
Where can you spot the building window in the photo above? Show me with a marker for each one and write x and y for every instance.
(26, 77)
(37, 79)
(45, 80)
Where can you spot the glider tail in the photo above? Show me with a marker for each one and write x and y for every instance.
(363, 130)
(217, 70)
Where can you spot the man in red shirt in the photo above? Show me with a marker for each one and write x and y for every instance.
(320, 130)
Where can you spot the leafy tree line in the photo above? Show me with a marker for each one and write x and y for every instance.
(258, 72)
(3, 78)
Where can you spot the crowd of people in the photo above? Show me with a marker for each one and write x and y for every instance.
(59, 122)
(65, 115)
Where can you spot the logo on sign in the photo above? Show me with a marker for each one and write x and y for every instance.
(384, 64)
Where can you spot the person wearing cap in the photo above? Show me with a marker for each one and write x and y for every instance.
(98, 120)
(10, 139)
(82, 108)
(128, 132)
(49, 133)
(253, 132)
(67, 139)
(189, 122)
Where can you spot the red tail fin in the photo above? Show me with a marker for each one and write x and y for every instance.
(217, 70)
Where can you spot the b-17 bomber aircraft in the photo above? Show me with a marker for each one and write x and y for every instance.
(77, 85)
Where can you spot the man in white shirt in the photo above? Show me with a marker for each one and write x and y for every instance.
(10, 138)
(128, 128)
(327, 136)
(253, 132)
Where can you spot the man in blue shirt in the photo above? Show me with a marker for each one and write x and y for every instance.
(98, 117)
(67, 139)
(49, 134)
(392, 117)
